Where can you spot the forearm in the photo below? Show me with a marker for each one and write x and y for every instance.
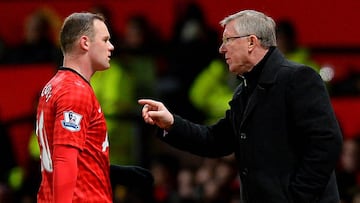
(65, 173)
(208, 141)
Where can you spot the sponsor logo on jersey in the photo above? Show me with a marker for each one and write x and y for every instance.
(71, 121)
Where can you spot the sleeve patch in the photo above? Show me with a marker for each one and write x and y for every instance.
(71, 121)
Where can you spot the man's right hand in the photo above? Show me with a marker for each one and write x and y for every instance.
(155, 113)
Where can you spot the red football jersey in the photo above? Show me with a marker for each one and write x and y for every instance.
(69, 114)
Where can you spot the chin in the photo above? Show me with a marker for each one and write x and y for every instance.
(103, 68)
(107, 66)
(232, 70)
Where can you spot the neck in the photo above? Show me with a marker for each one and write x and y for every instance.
(75, 63)
(260, 55)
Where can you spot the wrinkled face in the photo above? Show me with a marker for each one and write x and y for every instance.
(100, 47)
(235, 50)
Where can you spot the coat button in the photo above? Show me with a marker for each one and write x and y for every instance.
(243, 136)
(244, 172)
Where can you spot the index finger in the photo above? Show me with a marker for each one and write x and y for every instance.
(148, 101)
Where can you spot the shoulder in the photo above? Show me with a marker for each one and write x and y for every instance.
(70, 87)
(293, 69)
(69, 81)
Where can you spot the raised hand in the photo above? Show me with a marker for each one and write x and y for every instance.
(155, 113)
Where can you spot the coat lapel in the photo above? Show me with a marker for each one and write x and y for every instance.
(257, 95)
(266, 80)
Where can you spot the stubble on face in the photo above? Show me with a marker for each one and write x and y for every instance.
(100, 51)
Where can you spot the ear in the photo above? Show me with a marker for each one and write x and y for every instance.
(84, 42)
(251, 42)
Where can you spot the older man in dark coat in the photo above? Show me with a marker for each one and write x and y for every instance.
(280, 125)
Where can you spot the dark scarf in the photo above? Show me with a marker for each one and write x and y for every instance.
(251, 78)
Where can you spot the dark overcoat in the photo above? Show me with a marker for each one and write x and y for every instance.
(287, 140)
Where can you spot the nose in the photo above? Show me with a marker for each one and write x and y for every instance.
(222, 49)
(111, 47)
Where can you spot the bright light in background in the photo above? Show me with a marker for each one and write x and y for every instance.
(327, 73)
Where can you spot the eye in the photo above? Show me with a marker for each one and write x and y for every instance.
(226, 40)
(106, 39)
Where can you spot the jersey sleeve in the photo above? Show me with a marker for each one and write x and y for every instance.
(72, 108)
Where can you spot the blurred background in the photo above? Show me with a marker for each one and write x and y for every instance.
(168, 50)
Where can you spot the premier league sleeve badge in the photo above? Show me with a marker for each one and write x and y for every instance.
(71, 121)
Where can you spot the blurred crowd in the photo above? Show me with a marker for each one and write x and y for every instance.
(181, 72)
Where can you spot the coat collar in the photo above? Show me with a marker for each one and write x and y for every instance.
(270, 70)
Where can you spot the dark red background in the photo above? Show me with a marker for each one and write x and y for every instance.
(319, 23)
(328, 27)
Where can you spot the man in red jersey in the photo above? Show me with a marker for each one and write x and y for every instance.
(70, 125)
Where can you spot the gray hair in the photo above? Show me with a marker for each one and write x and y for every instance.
(256, 23)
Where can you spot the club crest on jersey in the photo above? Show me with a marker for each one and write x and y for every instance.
(71, 121)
